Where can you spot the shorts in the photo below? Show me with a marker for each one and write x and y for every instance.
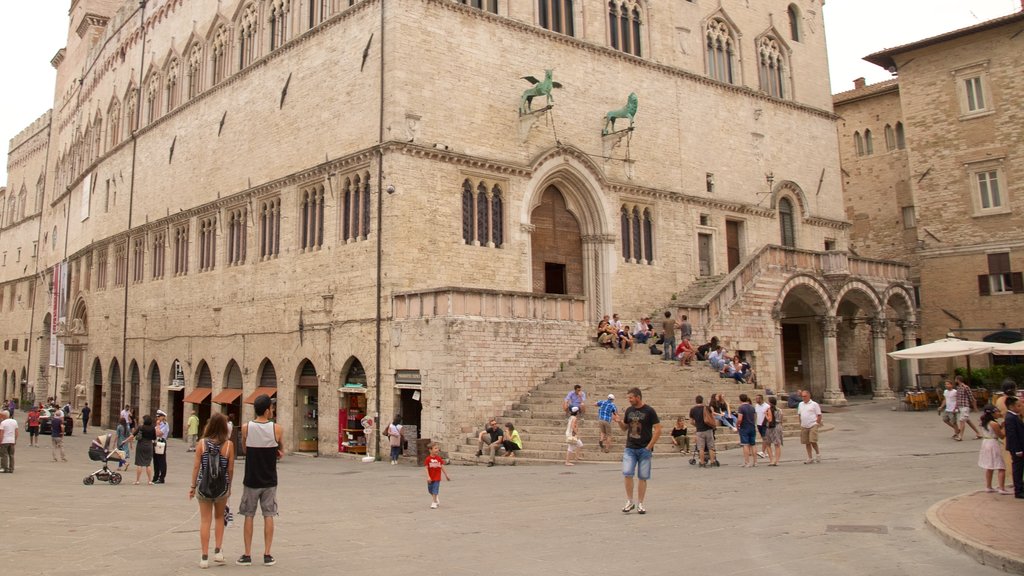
(964, 414)
(267, 498)
(748, 436)
(605, 427)
(33, 431)
(637, 461)
(705, 440)
(762, 430)
(949, 417)
(433, 487)
(809, 435)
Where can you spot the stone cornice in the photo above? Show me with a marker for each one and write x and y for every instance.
(971, 249)
(90, 20)
(828, 223)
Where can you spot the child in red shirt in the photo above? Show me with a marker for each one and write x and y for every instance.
(435, 467)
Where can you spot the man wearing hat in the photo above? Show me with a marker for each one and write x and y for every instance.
(605, 410)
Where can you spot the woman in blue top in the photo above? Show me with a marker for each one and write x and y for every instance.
(214, 443)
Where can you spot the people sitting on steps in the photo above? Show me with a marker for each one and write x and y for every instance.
(685, 352)
(606, 333)
(722, 412)
(643, 331)
(733, 369)
(704, 350)
(718, 358)
(624, 339)
(577, 398)
(490, 439)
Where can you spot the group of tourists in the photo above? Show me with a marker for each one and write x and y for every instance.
(1001, 434)
(213, 470)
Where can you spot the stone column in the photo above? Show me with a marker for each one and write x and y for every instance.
(909, 341)
(833, 393)
(780, 358)
(879, 330)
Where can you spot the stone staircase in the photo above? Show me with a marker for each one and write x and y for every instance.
(666, 386)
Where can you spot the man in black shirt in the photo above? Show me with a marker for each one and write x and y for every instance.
(491, 439)
(705, 433)
(642, 427)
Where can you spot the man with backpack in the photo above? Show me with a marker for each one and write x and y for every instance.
(705, 424)
(261, 443)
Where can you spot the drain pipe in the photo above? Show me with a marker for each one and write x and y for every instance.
(131, 202)
(380, 221)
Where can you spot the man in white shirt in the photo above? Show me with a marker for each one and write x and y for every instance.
(760, 407)
(717, 358)
(948, 408)
(810, 421)
(8, 439)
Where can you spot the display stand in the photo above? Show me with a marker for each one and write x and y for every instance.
(310, 413)
(351, 436)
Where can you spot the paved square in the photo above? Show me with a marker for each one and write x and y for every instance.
(861, 511)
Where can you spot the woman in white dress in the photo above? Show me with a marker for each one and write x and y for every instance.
(990, 457)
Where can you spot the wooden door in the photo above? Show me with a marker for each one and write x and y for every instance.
(732, 243)
(792, 356)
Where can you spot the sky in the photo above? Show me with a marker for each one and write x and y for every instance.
(31, 32)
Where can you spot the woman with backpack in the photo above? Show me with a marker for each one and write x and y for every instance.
(212, 471)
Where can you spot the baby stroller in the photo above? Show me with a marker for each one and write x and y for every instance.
(100, 451)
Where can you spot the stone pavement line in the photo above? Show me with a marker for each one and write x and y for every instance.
(984, 526)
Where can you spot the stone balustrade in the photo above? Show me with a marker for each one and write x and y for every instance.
(494, 304)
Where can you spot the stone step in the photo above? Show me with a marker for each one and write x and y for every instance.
(667, 386)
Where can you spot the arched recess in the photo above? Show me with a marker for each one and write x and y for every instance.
(352, 439)
(858, 311)
(900, 326)
(154, 388)
(115, 392)
(200, 396)
(802, 303)
(307, 411)
(230, 398)
(97, 393)
(266, 381)
(135, 381)
(790, 188)
(23, 385)
(579, 183)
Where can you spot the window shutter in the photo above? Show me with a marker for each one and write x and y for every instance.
(999, 263)
(1017, 280)
(983, 286)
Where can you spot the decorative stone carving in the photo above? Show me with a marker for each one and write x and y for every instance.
(627, 111)
(540, 88)
(829, 326)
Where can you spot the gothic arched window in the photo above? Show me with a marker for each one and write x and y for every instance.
(786, 229)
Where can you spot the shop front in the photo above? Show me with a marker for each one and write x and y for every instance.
(307, 410)
(351, 411)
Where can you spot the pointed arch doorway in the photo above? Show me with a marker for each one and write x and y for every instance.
(571, 249)
(556, 245)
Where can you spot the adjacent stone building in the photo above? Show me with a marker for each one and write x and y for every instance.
(353, 203)
(933, 176)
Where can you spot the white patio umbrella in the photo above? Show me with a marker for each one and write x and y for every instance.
(944, 348)
(1011, 349)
